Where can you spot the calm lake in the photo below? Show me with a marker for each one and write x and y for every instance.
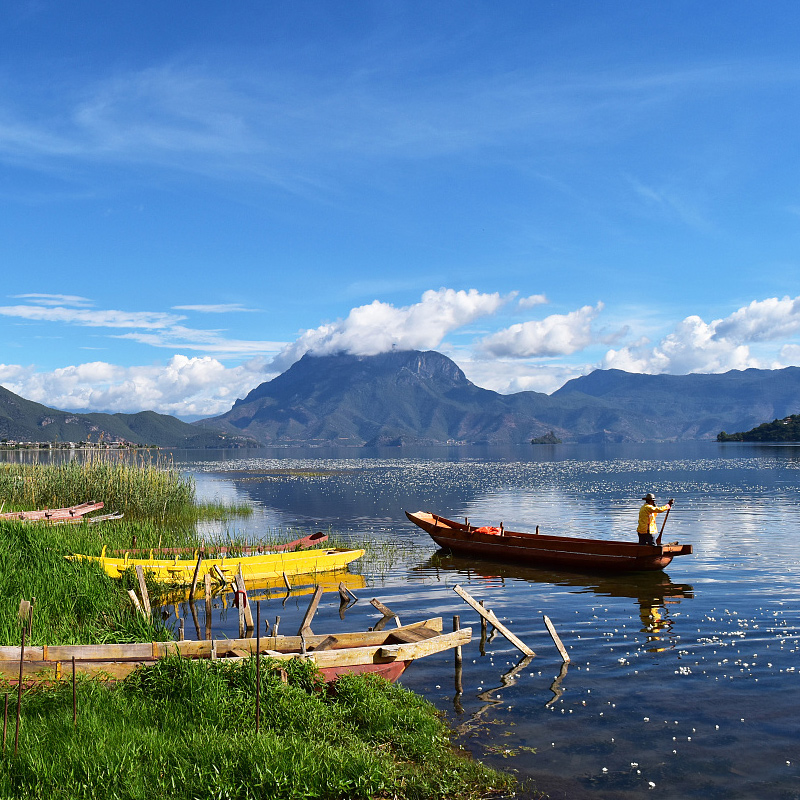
(682, 683)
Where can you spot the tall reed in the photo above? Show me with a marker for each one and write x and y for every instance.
(139, 488)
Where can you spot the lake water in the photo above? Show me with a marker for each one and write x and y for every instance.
(682, 683)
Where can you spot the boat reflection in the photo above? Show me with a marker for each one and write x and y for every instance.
(653, 592)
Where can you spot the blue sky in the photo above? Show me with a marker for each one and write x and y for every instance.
(194, 195)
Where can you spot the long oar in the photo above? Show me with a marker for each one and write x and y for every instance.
(664, 525)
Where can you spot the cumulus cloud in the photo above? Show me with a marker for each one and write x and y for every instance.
(380, 327)
(693, 346)
(556, 335)
(762, 320)
(185, 387)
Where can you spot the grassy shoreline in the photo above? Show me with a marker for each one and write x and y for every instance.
(181, 728)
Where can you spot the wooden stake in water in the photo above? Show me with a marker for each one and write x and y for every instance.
(556, 640)
(490, 616)
(195, 577)
(458, 656)
(208, 604)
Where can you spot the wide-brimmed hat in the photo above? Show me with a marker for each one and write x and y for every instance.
(649, 496)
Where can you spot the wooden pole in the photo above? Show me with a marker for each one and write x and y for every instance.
(275, 628)
(19, 689)
(664, 524)
(74, 697)
(490, 616)
(5, 723)
(305, 626)
(240, 585)
(207, 579)
(458, 657)
(258, 665)
(143, 590)
(552, 631)
(195, 577)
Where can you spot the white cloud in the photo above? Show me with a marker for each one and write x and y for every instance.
(95, 318)
(187, 387)
(556, 335)
(55, 299)
(762, 320)
(533, 300)
(218, 308)
(508, 377)
(379, 327)
(691, 347)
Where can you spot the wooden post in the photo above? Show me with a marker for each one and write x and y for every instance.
(180, 631)
(240, 585)
(207, 579)
(387, 615)
(5, 723)
(258, 665)
(195, 577)
(458, 656)
(305, 626)
(490, 616)
(143, 590)
(135, 600)
(19, 689)
(552, 631)
(74, 697)
(275, 628)
(286, 581)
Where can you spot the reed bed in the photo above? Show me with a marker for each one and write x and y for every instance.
(140, 488)
(183, 729)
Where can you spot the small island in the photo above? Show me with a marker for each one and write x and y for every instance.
(779, 430)
(548, 438)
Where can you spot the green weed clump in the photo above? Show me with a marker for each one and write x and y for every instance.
(184, 729)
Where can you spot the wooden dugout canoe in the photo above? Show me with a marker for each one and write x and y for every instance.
(256, 567)
(386, 652)
(569, 552)
(69, 513)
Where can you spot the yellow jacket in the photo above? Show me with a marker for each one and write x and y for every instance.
(647, 517)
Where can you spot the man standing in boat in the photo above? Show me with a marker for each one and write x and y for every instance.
(647, 518)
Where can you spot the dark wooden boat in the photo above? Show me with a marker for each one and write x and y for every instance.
(569, 552)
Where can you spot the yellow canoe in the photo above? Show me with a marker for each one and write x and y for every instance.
(256, 567)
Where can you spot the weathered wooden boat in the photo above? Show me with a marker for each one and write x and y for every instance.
(70, 513)
(269, 565)
(385, 652)
(569, 552)
(304, 543)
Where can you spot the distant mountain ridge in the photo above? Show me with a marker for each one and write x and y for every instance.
(414, 397)
(26, 421)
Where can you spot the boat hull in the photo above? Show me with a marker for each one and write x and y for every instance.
(255, 567)
(385, 653)
(540, 549)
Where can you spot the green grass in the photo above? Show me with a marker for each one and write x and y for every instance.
(76, 602)
(183, 729)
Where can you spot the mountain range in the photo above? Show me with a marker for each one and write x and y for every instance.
(25, 421)
(414, 397)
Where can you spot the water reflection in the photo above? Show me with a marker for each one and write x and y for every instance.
(653, 592)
